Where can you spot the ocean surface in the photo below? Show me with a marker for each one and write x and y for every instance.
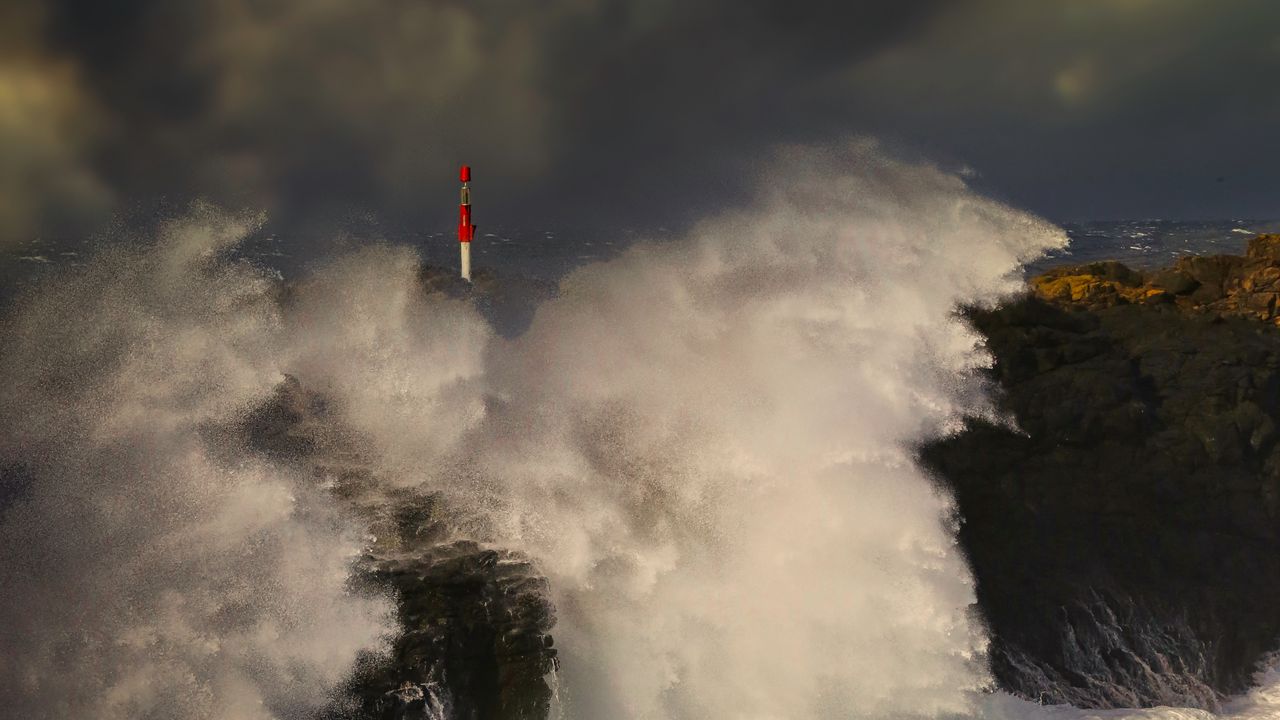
(1146, 244)
(700, 444)
(549, 254)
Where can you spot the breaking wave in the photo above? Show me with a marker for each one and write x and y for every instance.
(706, 444)
(151, 568)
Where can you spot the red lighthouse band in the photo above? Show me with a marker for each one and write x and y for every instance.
(466, 231)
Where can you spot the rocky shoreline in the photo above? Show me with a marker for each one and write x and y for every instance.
(1123, 528)
(1125, 535)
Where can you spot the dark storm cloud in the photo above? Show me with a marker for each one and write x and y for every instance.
(1094, 108)
(621, 111)
(572, 110)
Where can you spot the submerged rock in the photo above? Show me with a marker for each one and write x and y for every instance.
(1125, 538)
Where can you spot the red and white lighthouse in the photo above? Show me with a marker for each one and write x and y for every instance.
(466, 231)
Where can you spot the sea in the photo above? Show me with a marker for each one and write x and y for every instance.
(702, 441)
(549, 254)
(1149, 244)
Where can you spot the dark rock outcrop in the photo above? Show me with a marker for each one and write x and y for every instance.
(1125, 537)
(473, 640)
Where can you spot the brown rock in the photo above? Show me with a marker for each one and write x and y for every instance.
(1266, 277)
(1102, 284)
(1264, 247)
(1174, 281)
(1219, 285)
(1213, 273)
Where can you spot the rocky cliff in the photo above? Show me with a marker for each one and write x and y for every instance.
(1124, 531)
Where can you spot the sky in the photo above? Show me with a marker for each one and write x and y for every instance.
(621, 113)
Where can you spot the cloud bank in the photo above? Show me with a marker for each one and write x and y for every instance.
(620, 112)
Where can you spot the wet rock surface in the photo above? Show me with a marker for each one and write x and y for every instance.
(1125, 537)
(474, 640)
(473, 637)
